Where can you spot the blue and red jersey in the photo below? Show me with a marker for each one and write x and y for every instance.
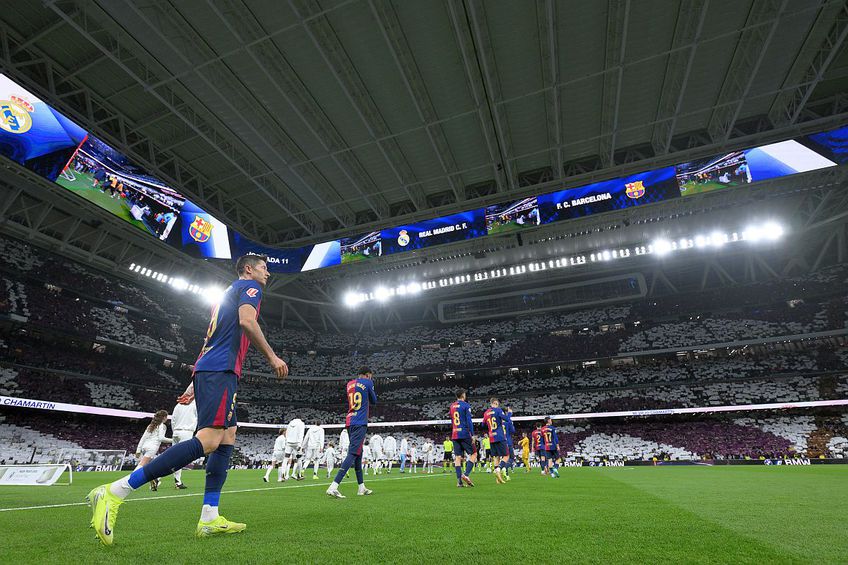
(510, 428)
(360, 395)
(549, 438)
(226, 343)
(537, 439)
(494, 419)
(460, 415)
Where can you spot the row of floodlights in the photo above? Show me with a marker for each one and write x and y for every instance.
(770, 231)
(211, 294)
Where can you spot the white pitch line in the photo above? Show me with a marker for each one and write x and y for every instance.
(169, 496)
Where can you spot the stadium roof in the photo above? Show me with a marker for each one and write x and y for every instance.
(303, 121)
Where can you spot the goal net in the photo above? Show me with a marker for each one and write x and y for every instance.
(92, 459)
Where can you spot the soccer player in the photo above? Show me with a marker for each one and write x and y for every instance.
(525, 451)
(510, 430)
(377, 452)
(390, 450)
(404, 449)
(447, 447)
(216, 374)
(367, 459)
(360, 395)
(551, 444)
(495, 420)
(329, 459)
(344, 442)
(277, 457)
(537, 447)
(428, 456)
(294, 449)
(413, 460)
(183, 424)
(313, 443)
(148, 445)
(462, 436)
(485, 445)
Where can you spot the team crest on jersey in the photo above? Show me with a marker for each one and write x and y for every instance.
(403, 238)
(252, 292)
(15, 115)
(200, 230)
(634, 189)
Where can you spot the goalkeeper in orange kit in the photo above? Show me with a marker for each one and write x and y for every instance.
(525, 451)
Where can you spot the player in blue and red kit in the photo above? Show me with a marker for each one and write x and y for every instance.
(550, 443)
(360, 396)
(495, 420)
(537, 446)
(216, 374)
(462, 436)
(510, 430)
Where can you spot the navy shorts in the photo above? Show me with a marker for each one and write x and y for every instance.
(498, 449)
(540, 455)
(552, 455)
(215, 397)
(464, 447)
(357, 440)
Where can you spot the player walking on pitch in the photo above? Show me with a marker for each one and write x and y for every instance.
(277, 457)
(360, 395)
(462, 435)
(183, 424)
(217, 370)
(151, 441)
(495, 420)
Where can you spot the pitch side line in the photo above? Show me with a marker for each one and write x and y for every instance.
(201, 494)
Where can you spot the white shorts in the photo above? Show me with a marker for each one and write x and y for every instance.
(376, 455)
(278, 455)
(312, 453)
(182, 435)
(291, 448)
(391, 455)
(150, 450)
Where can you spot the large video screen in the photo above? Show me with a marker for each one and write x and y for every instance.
(447, 229)
(33, 134)
(361, 247)
(512, 216)
(291, 259)
(615, 194)
(738, 168)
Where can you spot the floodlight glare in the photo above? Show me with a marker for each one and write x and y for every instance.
(213, 294)
(351, 299)
(772, 231)
(662, 247)
(381, 293)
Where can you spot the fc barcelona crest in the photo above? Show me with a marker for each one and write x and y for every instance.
(634, 189)
(200, 230)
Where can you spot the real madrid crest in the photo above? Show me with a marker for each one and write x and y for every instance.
(403, 238)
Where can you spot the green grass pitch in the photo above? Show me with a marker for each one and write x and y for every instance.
(730, 514)
(690, 188)
(83, 187)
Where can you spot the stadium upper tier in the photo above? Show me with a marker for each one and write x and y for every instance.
(67, 297)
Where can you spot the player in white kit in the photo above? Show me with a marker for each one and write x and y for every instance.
(278, 457)
(294, 449)
(404, 450)
(329, 459)
(366, 458)
(344, 442)
(183, 424)
(313, 445)
(428, 457)
(148, 445)
(377, 452)
(390, 450)
(413, 458)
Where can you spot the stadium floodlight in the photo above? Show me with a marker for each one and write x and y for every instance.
(351, 299)
(661, 247)
(132, 266)
(180, 284)
(752, 234)
(381, 293)
(213, 294)
(701, 241)
(772, 231)
(413, 288)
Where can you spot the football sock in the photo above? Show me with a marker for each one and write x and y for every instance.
(216, 474)
(357, 467)
(458, 472)
(173, 458)
(469, 466)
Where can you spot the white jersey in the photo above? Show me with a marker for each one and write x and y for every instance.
(329, 455)
(294, 432)
(404, 446)
(390, 446)
(377, 443)
(184, 417)
(151, 441)
(427, 451)
(412, 453)
(279, 446)
(366, 453)
(314, 438)
(344, 441)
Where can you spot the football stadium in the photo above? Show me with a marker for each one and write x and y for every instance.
(353, 281)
